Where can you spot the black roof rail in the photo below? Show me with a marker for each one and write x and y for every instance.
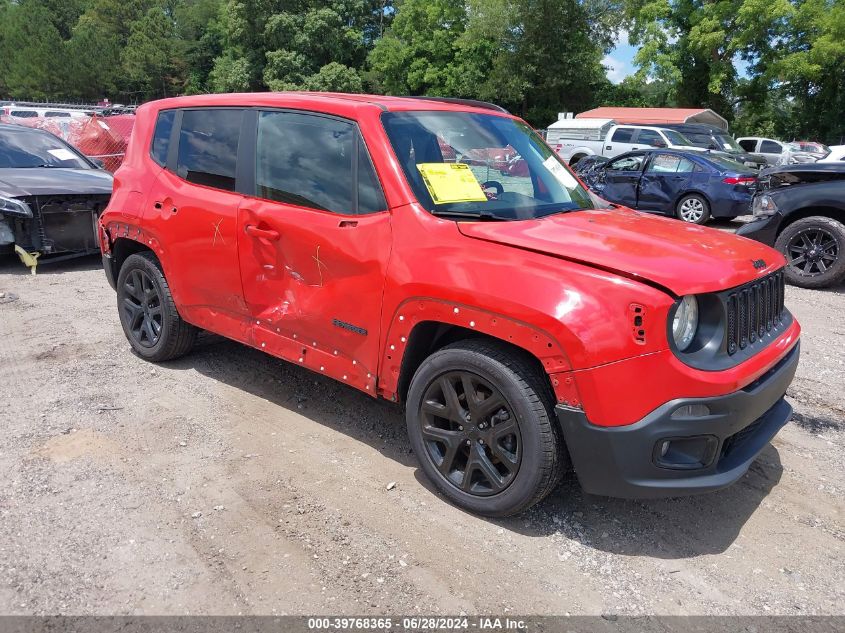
(467, 102)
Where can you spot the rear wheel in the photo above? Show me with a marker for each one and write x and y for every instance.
(693, 208)
(814, 248)
(481, 422)
(148, 314)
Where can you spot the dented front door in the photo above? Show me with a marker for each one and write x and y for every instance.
(313, 277)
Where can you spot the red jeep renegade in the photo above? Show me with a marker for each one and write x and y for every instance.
(527, 326)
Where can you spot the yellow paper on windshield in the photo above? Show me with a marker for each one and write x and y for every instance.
(451, 182)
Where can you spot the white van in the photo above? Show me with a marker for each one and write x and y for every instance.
(31, 112)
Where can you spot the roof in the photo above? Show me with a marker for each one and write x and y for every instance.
(656, 116)
(336, 102)
(574, 124)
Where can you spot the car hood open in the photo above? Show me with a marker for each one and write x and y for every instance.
(678, 257)
(47, 181)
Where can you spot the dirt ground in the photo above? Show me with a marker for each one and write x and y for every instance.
(228, 482)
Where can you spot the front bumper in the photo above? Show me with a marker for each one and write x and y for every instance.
(625, 461)
(763, 229)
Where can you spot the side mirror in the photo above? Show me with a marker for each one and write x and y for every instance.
(99, 163)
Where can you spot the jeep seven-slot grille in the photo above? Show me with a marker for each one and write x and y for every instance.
(753, 310)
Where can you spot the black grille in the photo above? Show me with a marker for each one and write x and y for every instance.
(754, 310)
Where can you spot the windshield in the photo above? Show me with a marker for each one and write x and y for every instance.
(728, 144)
(676, 138)
(32, 148)
(481, 166)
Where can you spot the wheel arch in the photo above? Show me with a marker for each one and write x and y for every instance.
(808, 212)
(421, 327)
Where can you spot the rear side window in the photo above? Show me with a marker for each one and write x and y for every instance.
(57, 114)
(748, 144)
(623, 135)
(24, 114)
(770, 147)
(161, 136)
(310, 161)
(208, 147)
(650, 137)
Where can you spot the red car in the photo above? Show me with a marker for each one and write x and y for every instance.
(527, 327)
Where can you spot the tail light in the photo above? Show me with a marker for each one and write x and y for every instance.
(740, 180)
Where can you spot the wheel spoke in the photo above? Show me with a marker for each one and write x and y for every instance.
(147, 329)
(828, 245)
(808, 266)
(455, 410)
(509, 460)
(479, 461)
(797, 260)
(436, 408)
(503, 429)
(490, 405)
(821, 265)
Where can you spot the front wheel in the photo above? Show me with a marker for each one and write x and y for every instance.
(814, 248)
(481, 423)
(148, 313)
(693, 208)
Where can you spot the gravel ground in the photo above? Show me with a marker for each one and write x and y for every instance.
(228, 482)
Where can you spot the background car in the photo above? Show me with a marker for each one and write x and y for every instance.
(715, 138)
(800, 210)
(837, 154)
(819, 150)
(776, 152)
(50, 194)
(691, 186)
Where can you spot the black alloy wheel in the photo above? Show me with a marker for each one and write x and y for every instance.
(812, 251)
(470, 433)
(142, 308)
(814, 248)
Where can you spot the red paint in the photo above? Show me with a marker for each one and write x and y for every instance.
(586, 293)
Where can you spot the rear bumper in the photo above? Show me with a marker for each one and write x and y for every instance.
(731, 206)
(705, 453)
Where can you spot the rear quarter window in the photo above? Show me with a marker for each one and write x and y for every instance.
(161, 136)
(623, 135)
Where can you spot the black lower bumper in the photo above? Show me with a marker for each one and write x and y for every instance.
(762, 230)
(705, 452)
(108, 267)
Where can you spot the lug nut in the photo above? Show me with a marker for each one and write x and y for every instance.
(481, 441)
(460, 428)
(468, 443)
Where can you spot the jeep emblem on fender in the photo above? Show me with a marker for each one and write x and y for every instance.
(758, 263)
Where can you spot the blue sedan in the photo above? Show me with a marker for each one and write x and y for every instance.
(692, 186)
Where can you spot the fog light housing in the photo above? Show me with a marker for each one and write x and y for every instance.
(691, 411)
(685, 453)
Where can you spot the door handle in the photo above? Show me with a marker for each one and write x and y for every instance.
(348, 224)
(266, 234)
(609, 147)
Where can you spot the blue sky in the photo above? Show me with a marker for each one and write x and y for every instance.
(620, 61)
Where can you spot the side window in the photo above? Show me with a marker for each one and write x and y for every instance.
(161, 136)
(664, 163)
(652, 138)
(208, 147)
(686, 166)
(310, 161)
(628, 163)
(748, 144)
(770, 147)
(623, 135)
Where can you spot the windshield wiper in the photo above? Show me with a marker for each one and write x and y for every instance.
(472, 215)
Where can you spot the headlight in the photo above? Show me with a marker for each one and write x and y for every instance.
(17, 208)
(685, 322)
(763, 206)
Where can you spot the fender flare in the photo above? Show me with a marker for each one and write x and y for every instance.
(416, 310)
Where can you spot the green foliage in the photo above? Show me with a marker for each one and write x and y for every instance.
(772, 67)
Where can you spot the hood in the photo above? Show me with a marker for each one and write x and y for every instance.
(44, 181)
(679, 257)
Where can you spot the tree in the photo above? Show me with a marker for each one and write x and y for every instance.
(31, 49)
(148, 59)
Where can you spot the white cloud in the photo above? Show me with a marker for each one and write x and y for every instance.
(621, 39)
(617, 69)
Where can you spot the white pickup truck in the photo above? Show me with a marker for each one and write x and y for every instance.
(573, 139)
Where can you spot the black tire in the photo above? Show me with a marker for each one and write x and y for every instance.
(693, 208)
(574, 160)
(150, 321)
(814, 248)
(541, 457)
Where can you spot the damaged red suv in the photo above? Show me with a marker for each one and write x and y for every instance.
(527, 328)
